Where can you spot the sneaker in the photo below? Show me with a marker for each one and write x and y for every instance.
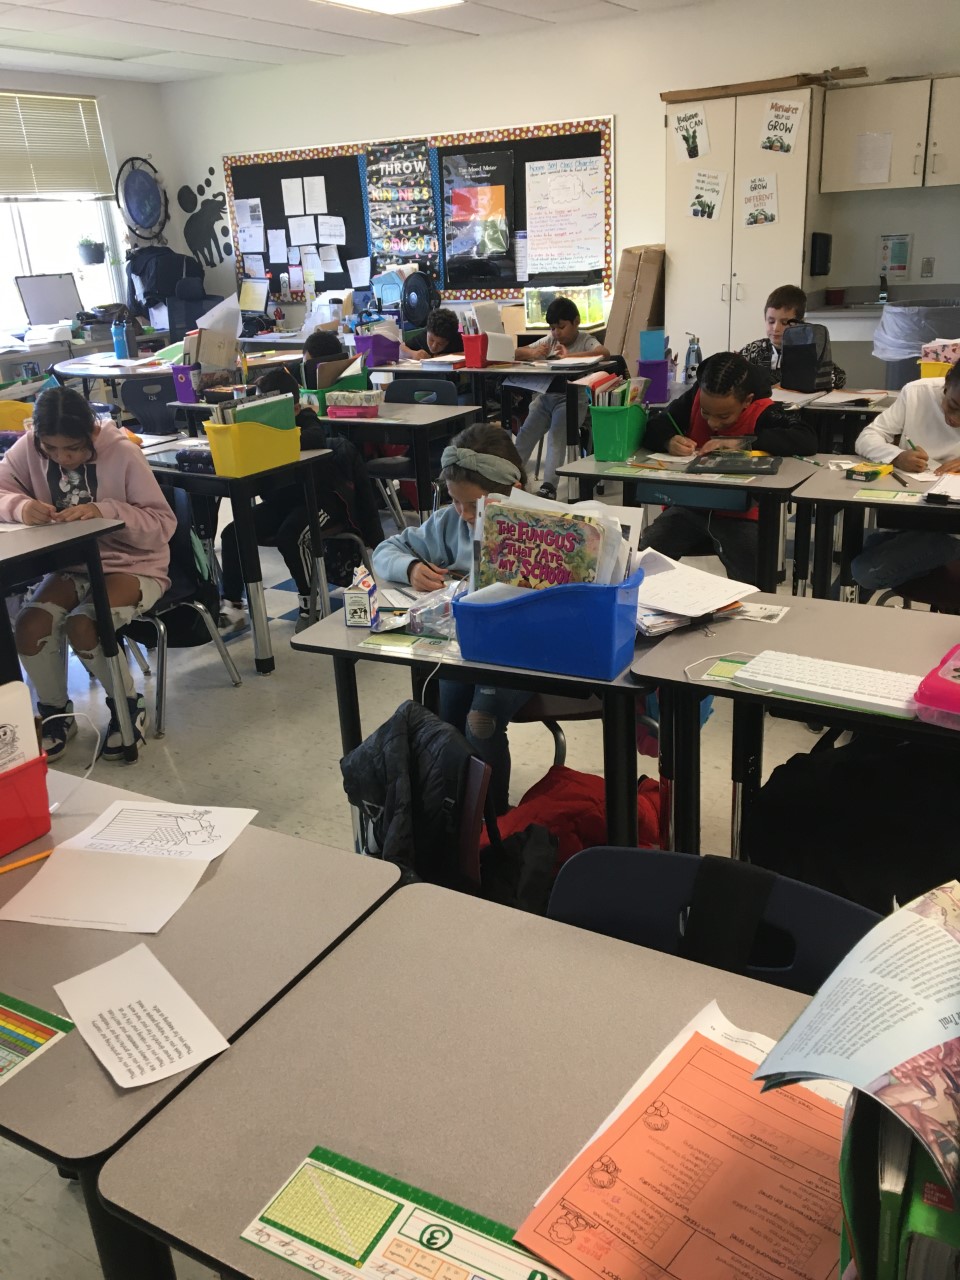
(303, 621)
(112, 748)
(57, 733)
(233, 618)
(547, 490)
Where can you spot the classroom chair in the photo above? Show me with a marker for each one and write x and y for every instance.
(147, 399)
(13, 414)
(189, 303)
(385, 471)
(716, 911)
(550, 709)
(185, 587)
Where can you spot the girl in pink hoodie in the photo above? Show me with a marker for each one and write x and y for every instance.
(69, 468)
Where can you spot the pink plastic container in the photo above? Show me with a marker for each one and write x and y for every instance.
(938, 697)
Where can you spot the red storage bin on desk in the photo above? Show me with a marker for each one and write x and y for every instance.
(24, 804)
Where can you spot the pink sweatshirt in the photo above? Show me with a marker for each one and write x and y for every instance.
(125, 490)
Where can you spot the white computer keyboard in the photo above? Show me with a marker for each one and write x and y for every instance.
(839, 684)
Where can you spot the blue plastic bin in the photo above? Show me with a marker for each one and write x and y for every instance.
(584, 629)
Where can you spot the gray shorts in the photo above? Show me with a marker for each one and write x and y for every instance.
(150, 593)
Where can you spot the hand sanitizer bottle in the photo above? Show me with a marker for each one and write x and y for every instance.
(692, 359)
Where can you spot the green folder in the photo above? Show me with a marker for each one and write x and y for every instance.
(272, 411)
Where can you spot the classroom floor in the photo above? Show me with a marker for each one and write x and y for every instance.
(274, 743)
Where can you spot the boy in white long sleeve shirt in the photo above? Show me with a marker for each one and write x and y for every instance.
(920, 431)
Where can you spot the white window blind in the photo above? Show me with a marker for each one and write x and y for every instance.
(51, 148)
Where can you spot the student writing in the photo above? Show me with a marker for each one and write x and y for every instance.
(728, 402)
(787, 306)
(442, 337)
(479, 461)
(920, 431)
(67, 468)
(547, 415)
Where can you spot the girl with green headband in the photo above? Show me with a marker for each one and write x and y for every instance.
(480, 460)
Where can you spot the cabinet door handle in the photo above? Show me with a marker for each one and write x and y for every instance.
(916, 162)
(933, 166)
(723, 293)
(739, 295)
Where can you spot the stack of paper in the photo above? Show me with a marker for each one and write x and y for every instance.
(679, 589)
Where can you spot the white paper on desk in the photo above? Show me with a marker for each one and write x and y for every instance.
(798, 398)
(80, 889)
(293, 255)
(224, 318)
(949, 485)
(847, 397)
(18, 737)
(158, 830)
(277, 245)
(8, 527)
(253, 265)
(314, 194)
(331, 230)
(302, 230)
(537, 383)
(292, 189)
(330, 258)
(138, 1020)
(359, 269)
(913, 477)
(250, 239)
(677, 588)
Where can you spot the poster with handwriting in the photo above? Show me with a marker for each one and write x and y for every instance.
(689, 128)
(706, 195)
(565, 215)
(760, 200)
(781, 119)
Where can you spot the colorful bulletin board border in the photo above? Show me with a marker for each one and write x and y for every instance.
(602, 125)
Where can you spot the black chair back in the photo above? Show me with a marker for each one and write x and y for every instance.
(420, 391)
(147, 399)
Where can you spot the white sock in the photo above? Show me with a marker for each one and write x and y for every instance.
(96, 663)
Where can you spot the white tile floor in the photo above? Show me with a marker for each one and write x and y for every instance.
(274, 743)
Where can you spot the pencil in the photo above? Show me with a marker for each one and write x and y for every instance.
(24, 862)
(911, 444)
(673, 424)
(899, 479)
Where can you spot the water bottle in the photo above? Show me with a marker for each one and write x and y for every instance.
(118, 331)
(692, 359)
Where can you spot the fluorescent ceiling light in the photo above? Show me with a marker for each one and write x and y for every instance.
(394, 8)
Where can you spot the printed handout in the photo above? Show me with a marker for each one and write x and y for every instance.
(677, 588)
(277, 245)
(314, 194)
(292, 189)
(137, 1019)
(330, 231)
(302, 230)
(25, 1033)
(159, 830)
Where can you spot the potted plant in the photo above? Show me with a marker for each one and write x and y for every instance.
(690, 142)
(91, 252)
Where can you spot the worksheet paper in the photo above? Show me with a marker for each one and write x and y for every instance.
(330, 259)
(314, 194)
(277, 245)
(25, 1032)
(296, 279)
(312, 263)
(359, 269)
(253, 265)
(250, 239)
(697, 1173)
(138, 1020)
(18, 735)
(292, 189)
(159, 830)
(293, 255)
(302, 230)
(676, 588)
(330, 231)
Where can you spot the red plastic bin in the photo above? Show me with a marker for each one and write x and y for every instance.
(24, 805)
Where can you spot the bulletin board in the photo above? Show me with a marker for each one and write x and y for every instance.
(571, 179)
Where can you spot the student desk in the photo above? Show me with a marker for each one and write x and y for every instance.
(261, 917)
(829, 494)
(242, 490)
(892, 639)
(415, 425)
(670, 488)
(838, 425)
(331, 636)
(108, 371)
(460, 1046)
(28, 553)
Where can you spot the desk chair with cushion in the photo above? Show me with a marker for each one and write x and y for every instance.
(716, 911)
(147, 399)
(187, 306)
(384, 471)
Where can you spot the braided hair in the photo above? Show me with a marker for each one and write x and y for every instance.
(726, 374)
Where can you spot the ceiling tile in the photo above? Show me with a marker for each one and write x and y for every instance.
(479, 20)
(25, 18)
(532, 8)
(595, 12)
(51, 63)
(89, 46)
(196, 62)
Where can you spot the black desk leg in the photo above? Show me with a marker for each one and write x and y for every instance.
(823, 551)
(123, 1251)
(108, 641)
(746, 766)
(686, 782)
(802, 529)
(241, 499)
(667, 767)
(9, 661)
(573, 431)
(585, 487)
(768, 541)
(620, 765)
(316, 543)
(348, 702)
(851, 544)
(420, 447)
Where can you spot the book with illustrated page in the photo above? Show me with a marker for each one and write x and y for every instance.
(529, 548)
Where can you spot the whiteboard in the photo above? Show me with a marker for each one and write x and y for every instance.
(49, 299)
(565, 215)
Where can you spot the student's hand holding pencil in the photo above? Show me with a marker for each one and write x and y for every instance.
(681, 447)
(912, 459)
(425, 577)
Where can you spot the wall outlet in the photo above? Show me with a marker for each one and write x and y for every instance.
(926, 268)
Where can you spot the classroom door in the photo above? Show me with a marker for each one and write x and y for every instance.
(769, 207)
(943, 146)
(698, 235)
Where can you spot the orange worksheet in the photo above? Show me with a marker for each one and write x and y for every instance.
(702, 1177)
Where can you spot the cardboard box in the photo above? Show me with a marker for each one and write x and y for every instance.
(637, 300)
(514, 319)
(211, 350)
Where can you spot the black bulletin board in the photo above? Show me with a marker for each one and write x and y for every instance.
(260, 176)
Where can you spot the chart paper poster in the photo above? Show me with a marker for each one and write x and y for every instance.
(478, 204)
(690, 133)
(350, 1222)
(25, 1032)
(760, 206)
(565, 215)
(781, 117)
(697, 1178)
(403, 222)
(706, 196)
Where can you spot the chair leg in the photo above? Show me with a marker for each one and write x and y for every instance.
(139, 657)
(217, 639)
(559, 742)
(392, 502)
(159, 726)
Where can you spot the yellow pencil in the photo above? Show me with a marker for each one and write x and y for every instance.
(24, 862)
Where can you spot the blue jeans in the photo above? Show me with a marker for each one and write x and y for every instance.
(547, 416)
(890, 559)
(482, 714)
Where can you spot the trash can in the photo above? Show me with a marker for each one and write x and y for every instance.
(903, 329)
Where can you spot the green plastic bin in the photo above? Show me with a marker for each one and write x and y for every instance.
(617, 431)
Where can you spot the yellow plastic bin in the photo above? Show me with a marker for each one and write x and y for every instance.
(935, 368)
(617, 431)
(243, 448)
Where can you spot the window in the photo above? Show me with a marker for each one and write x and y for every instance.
(55, 189)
